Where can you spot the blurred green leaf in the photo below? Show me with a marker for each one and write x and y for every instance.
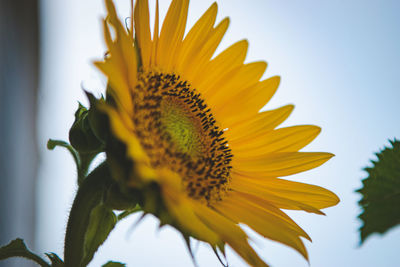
(17, 248)
(102, 221)
(90, 194)
(114, 264)
(381, 193)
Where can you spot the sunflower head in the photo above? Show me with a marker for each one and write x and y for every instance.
(187, 139)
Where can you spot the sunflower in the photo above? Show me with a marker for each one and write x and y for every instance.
(191, 128)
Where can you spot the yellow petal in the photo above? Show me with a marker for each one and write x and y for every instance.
(240, 184)
(225, 62)
(265, 223)
(248, 74)
(288, 139)
(204, 55)
(117, 81)
(255, 125)
(250, 99)
(124, 49)
(230, 233)
(122, 131)
(182, 209)
(272, 210)
(311, 195)
(171, 34)
(142, 30)
(281, 163)
(122, 56)
(196, 38)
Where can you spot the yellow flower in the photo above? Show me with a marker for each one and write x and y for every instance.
(191, 125)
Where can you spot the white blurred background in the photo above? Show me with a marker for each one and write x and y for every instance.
(339, 65)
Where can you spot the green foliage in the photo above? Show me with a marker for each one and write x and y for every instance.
(381, 193)
(92, 218)
(114, 264)
(102, 221)
(17, 248)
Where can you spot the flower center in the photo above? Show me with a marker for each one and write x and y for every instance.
(180, 126)
(178, 131)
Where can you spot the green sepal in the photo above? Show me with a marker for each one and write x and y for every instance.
(98, 120)
(118, 200)
(380, 200)
(17, 248)
(152, 201)
(121, 167)
(102, 221)
(81, 135)
(55, 260)
(51, 144)
(114, 264)
(126, 213)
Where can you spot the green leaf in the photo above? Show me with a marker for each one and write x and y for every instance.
(17, 248)
(55, 260)
(381, 193)
(114, 264)
(102, 221)
(89, 196)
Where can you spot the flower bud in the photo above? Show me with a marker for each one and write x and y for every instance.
(97, 119)
(81, 135)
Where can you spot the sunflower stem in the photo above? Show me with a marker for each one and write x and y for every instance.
(89, 195)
